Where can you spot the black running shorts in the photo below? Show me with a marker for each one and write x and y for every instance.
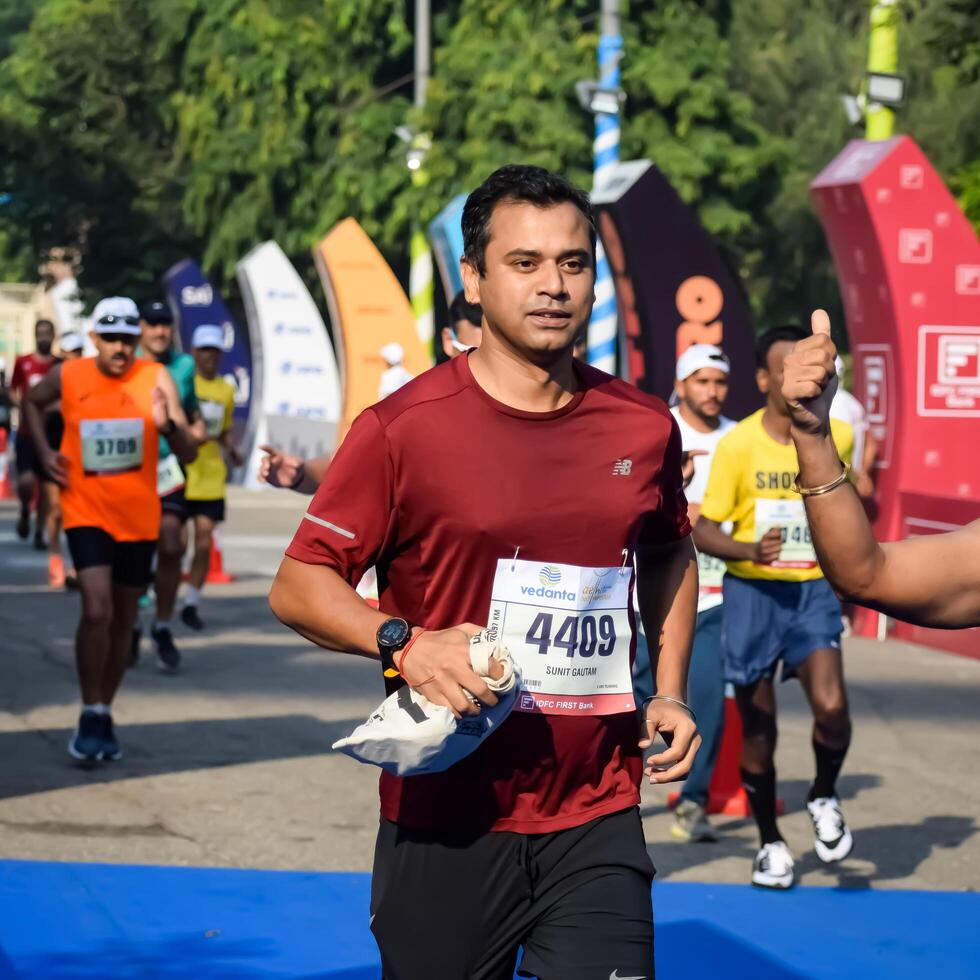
(131, 561)
(459, 908)
(176, 503)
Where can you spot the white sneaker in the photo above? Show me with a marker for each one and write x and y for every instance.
(773, 866)
(833, 837)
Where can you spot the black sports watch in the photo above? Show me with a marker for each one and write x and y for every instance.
(392, 636)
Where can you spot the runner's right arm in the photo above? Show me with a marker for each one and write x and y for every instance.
(292, 472)
(719, 499)
(46, 392)
(341, 535)
(930, 581)
(180, 438)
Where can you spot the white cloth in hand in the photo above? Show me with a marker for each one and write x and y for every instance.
(409, 735)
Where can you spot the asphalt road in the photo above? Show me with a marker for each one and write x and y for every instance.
(229, 762)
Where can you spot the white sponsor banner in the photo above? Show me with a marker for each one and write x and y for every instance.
(294, 368)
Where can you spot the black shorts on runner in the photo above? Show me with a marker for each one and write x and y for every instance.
(458, 908)
(27, 459)
(176, 503)
(131, 561)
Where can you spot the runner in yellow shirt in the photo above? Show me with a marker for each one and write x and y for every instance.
(206, 476)
(777, 606)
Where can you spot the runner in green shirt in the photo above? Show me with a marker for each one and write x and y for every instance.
(157, 325)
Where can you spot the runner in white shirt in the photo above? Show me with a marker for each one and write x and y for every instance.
(846, 408)
(701, 388)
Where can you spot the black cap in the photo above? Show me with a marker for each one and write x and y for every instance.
(156, 312)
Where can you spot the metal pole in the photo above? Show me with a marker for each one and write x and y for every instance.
(423, 49)
(882, 57)
(605, 151)
(421, 277)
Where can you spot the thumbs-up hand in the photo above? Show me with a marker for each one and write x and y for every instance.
(810, 379)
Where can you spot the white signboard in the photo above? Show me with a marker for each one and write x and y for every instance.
(297, 385)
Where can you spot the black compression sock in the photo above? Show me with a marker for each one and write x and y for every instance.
(761, 789)
(829, 762)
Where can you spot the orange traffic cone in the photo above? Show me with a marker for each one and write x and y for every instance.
(6, 491)
(216, 564)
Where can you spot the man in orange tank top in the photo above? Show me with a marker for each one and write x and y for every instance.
(114, 406)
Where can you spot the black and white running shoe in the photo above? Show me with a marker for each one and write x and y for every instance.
(833, 837)
(773, 866)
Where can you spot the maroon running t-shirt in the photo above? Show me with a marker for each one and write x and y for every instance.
(436, 483)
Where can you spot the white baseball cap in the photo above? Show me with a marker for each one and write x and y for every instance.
(208, 335)
(700, 356)
(71, 342)
(116, 314)
(393, 354)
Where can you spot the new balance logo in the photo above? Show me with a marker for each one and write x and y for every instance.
(622, 467)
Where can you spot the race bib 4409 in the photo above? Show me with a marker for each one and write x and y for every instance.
(568, 627)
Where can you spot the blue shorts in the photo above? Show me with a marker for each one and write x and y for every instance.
(765, 622)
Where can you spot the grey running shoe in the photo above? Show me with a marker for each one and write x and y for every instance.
(690, 823)
(168, 656)
(110, 744)
(86, 744)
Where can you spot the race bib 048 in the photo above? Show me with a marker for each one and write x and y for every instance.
(213, 414)
(790, 517)
(111, 445)
(568, 627)
(170, 477)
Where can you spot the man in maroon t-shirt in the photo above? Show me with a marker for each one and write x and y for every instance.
(515, 482)
(28, 371)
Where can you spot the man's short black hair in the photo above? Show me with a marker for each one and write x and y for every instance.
(461, 309)
(44, 323)
(516, 182)
(764, 342)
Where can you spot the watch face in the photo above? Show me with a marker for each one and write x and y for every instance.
(392, 633)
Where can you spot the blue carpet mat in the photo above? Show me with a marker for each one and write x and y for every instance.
(86, 921)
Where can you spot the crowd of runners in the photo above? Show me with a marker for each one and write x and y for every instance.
(511, 477)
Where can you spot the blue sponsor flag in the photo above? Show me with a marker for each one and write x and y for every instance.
(195, 301)
(446, 237)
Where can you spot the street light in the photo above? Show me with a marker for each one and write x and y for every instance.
(596, 99)
(886, 88)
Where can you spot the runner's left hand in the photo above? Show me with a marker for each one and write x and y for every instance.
(687, 463)
(680, 733)
(159, 410)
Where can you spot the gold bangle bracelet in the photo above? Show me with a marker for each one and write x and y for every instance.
(826, 488)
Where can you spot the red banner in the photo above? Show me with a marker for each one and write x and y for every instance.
(908, 263)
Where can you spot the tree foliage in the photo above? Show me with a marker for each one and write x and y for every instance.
(137, 131)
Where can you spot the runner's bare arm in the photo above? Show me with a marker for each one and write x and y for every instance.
(180, 439)
(667, 592)
(302, 475)
(340, 619)
(931, 581)
(46, 392)
(712, 540)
